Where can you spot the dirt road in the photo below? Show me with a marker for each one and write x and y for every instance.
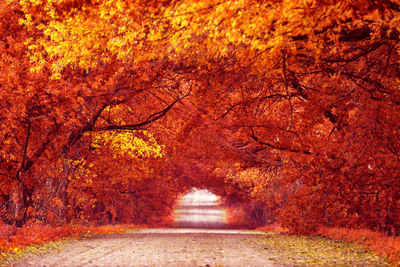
(160, 247)
(183, 246)
(199, 209)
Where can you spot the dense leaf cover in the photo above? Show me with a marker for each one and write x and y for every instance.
(110, 109)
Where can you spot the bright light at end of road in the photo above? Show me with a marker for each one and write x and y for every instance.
(199, 209)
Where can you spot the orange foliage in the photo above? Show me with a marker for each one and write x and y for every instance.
(13, 239)
(276, 228)
(236, 217)
(288, 107)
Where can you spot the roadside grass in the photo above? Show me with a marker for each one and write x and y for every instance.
(376, 243)
(381, 244)
(37, 238)
(7, 258)
(325, 249)
(297, 250)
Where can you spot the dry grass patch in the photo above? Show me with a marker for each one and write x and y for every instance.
(314, 250)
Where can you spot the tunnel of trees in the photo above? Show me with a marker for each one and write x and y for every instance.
(111, 109)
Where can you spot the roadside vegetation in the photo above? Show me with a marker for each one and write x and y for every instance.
(39, 238)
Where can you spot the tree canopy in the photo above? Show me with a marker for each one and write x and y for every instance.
(290, 107)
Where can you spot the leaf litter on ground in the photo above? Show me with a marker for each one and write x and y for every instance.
(297, 250)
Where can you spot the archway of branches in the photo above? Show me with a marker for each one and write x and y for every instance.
(292, 116)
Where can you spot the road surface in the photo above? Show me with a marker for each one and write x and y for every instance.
(160, 247)
(186, 244)
(201, 238)
(200, 209)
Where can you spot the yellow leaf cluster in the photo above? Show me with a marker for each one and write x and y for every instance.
(132, 31)
(127, 143)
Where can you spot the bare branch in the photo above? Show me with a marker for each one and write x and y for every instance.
(137, 126)
(278, 147)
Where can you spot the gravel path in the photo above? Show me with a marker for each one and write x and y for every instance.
(188, 244)
(161, 247)
(195, 242)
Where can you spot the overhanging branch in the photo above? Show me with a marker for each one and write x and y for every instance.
(278, 147)
(138, 126)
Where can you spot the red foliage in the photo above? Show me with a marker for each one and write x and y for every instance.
(296, 119)
(13, 238)
(276, 228)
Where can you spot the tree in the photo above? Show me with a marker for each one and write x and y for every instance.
(297, 101)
